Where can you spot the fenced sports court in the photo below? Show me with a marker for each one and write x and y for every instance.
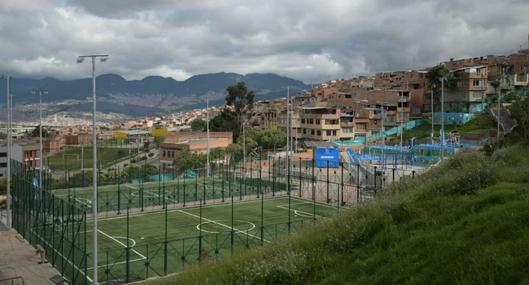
(149, 229)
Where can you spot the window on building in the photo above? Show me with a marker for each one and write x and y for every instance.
(476, 82)
(163, 153)
(329, 132)
(3, 154)
(319, 133)
(318, 122)
(334, 132)
(303, 121)
(3, 164)
(312, 132)
(304, 131)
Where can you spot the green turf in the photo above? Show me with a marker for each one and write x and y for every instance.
(208, 229)
(72, 157)
(171, 192)
(480, 124)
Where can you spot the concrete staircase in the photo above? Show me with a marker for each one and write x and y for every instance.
(507, 124)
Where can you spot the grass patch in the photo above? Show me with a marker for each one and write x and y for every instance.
(73, 157)
(480, 124)
(464, 222)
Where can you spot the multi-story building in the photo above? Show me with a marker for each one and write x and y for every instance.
(320, 123)
(52, 144)
(3, 160)
(196, 142)
(469, 90)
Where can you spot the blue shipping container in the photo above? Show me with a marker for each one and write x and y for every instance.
(327, 155)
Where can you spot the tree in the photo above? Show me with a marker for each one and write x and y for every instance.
(120, 136)
(159, 133)
(225, 121)
(198, 125)
(268, 138)
(434, 76)
(239, 103)
(234, 150)
(190, 160)
(240, 100)
(217, 153)
(519, 113)
(36, 132)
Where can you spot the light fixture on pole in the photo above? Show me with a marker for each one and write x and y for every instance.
(9, 136)
(41, 156)
(80, 59)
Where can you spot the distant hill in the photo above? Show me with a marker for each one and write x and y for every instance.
(151, 95)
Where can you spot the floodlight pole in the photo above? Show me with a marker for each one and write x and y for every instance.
(102, 57)
(499, 107)
(442, 118)
(207, 130)
(41, 156)
(433, 131)
(8, 127)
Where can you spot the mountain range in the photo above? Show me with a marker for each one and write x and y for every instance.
(148, 96)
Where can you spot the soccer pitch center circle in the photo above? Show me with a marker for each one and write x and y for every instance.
(218, 222)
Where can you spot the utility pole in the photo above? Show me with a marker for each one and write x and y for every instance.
(41, 158)
(80, 59)
(8, 127)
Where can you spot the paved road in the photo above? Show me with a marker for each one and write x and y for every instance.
(18, 258)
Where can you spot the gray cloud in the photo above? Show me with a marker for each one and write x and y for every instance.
(305, 39)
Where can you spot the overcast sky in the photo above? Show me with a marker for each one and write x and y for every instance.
(307, 40)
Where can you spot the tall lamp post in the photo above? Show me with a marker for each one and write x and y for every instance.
(442, 118)
(80, 59)
(8, 128)
(41, 156)
(208, 169)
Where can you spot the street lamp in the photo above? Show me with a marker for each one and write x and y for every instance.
(80, 59)
(40, 93)
(8, 127)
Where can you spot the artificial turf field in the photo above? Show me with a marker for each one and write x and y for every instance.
(215, 229)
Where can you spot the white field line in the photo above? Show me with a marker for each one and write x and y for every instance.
(175, 210)
(308, 215)
(122, 244)
(130, 186)
(317, 203)
(64, 257)
(156, 195)
(87, 203)
(223, 225)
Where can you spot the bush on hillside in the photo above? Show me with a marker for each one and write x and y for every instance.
(466, 174)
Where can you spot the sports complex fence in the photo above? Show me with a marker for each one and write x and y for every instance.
(155, 228)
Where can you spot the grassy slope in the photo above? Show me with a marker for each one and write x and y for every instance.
(481, 123)
(462, 223)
